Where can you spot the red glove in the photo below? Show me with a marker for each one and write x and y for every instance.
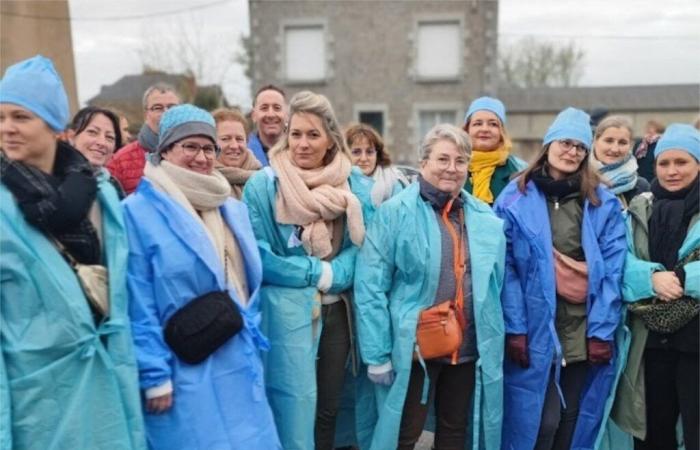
(516, 349)
(599, 351)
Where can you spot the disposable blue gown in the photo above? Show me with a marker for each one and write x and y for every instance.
(65, 384)
(397, 274)
(288, 296)
(219, 404)
(529, 292)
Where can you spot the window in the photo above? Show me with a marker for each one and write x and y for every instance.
(304, 53)
(375, 119)
(428, 119)
(438, 50)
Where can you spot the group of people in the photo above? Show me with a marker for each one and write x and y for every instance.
(211, 287)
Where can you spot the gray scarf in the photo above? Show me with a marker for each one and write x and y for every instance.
(148, 139)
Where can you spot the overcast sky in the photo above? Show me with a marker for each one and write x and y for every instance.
(626, 42)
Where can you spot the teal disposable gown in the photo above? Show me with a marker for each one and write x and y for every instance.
(396, 277)
(220, 403)
(287, 299)
(362, 187)
(65, 384)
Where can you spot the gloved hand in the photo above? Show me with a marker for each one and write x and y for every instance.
(383, 374)
(516, 349)
(599, 351)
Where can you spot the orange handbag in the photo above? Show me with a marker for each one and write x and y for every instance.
(440, 328)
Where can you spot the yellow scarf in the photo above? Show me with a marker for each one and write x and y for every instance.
(481, 167)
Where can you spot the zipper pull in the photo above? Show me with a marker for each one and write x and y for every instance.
(556, 204)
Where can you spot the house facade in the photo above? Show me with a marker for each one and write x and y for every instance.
(401, 66)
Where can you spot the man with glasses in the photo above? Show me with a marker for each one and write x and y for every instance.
(128, 163)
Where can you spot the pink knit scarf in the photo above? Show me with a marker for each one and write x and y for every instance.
(314, 199)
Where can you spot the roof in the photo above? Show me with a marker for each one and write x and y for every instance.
(619, 98)
(133, 86)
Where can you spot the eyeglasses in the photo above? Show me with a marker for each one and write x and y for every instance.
(444, 163)
(356, 152)
(158, 108)
(566, 145)
(191, 150)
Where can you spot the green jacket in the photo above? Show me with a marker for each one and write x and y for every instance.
(629, 409)
(501, 176)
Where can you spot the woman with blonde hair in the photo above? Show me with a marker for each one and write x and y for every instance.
(235, 161)
(612, 157)
(492, 164)
(308, 224)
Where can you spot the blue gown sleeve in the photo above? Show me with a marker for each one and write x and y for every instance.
(692, 279)
(152, 353)
(512, 299)
(343, 266)
(281, 270)
(605, 306)
(636, 279)
(373, 279)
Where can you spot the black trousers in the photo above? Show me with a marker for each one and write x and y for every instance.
(557, 425)
(451, 387)
(671, 388)
(333, 351)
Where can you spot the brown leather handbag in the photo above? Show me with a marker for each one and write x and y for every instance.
(440, 328)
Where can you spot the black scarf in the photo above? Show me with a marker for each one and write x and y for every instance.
(58, 204)
(437, 198)
(148, 139)
(556, 188)
(668, 225)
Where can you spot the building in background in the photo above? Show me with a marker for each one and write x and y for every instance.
(531, 111)
(28, 28)
(126, 94)
(401, 66)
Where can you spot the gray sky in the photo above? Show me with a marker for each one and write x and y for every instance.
(626, 42)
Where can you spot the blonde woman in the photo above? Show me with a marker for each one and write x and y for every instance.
(235, 161)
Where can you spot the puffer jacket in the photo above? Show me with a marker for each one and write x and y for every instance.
(127, 166)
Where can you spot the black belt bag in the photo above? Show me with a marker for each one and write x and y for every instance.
(203, 325)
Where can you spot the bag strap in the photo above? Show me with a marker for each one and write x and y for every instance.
(62, 250)
(458, 264)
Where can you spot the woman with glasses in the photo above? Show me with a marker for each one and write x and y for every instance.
(308, 224)
(68, 375)
(612, 157)
(492, 164)
(194, 278)
(433, 246)
(381, 181)
(95, 133)
(235, 162)
(562, 294)
(659, 388)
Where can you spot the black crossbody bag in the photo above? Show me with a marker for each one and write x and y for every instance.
(203, 325)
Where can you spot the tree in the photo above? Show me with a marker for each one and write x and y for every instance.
(532, 63)
(185, 47)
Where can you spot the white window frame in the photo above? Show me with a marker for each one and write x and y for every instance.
(418, 108)
(303, 23)
(375, 107)
(437, 19)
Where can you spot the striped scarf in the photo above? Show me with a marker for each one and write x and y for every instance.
(621, 176)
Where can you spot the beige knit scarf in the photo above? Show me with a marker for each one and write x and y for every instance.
(314, 199)
(238, 176)
(202, 195)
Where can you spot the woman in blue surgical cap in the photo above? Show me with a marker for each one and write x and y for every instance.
(562, 295)
(68, 376)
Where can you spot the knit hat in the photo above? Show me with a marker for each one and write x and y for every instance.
(679, 136)
(35, 85)
(487, 104)
(183, 121)
(571, 123)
